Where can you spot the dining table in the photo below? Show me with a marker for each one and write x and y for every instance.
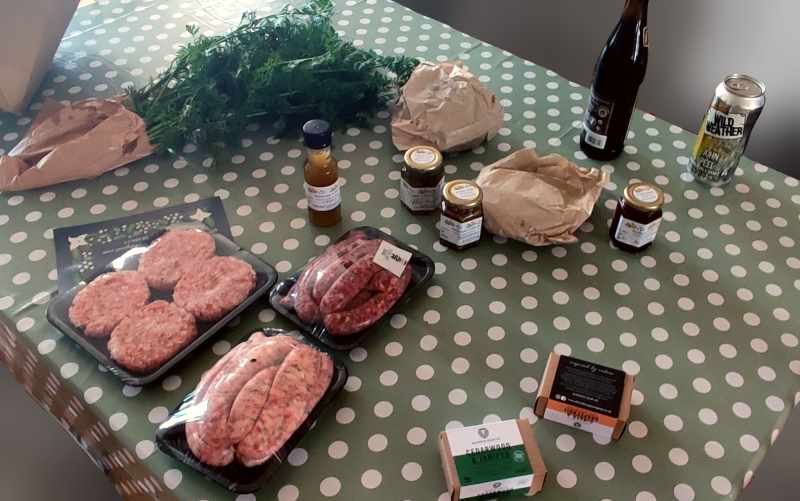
(706, 319)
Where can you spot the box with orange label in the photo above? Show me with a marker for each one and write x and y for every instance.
(586, 396)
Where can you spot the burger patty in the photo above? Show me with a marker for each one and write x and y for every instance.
(149, 337)
(109, 298)
(216, 287)
(172, 255)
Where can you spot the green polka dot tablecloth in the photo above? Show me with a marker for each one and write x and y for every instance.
(706, 318)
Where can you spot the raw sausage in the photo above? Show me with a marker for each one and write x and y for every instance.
(305, 305)
(357, 319)
(327, 276)
(348, 285)
(220, 398)
(361, 298)
(285, 409)
(254, 399)
(248, 404)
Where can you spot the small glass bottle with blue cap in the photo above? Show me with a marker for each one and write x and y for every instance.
(322, 188)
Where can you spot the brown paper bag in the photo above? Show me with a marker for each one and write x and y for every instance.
(444, 106)
(538, 200)
(74, 141)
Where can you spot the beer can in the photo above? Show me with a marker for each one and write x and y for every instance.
(726, 129)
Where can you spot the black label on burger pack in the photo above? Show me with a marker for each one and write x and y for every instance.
(588, 385)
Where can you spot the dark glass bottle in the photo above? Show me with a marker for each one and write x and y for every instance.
(618, 73)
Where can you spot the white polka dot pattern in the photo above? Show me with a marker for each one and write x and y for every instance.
(704, 317)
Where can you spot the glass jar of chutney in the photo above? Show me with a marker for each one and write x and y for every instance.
(461, 221)
(421, 179)
(637, 217)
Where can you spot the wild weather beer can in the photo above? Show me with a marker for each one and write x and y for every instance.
(726, 129)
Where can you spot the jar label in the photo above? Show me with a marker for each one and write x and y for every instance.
(423, 156)
(645, 194)
(465, 191)
(421, 198)
(458, 233)
(636, 234)
(323, 198)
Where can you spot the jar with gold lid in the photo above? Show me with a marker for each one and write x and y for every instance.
(461, 221)
(421, 179)
(637, 217)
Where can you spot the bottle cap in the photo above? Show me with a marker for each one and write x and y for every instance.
(644, 196)
(423, 158)
(463, 193)
(317, 134)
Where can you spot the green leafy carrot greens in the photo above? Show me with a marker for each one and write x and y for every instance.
(285, 67)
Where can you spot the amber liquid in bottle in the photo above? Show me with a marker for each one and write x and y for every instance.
(320, 172)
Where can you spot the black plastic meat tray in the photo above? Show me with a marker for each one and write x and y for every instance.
(58, 309)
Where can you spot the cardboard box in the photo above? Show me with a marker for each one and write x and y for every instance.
(585, 395)
(31, 32)
(492, 459)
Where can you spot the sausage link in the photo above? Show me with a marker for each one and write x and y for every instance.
(214, 423)
(358, 319)
(210, 455)
(348, 285)
(361, 298)
(207, 380)
(328, 275)
(248, 404)
(285, 409)
(304, 303)
(323, 380)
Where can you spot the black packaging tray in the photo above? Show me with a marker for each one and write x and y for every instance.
(171, 437)
(422, 269)
(58, 309)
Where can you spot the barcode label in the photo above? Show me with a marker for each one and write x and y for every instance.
(595, 139)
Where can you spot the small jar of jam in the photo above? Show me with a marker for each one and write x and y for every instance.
(637, 217)
(462, 216)
(421, 179)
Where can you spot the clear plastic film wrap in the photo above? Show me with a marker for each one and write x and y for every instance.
(153, 305)
(251, 408)
(351, 286)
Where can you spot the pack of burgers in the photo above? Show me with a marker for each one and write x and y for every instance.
(355, 283)
(252, 408)
(150, 307)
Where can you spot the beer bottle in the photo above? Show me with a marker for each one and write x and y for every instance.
(618, 73)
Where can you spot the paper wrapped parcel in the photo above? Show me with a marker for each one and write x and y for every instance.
(74, 141)
(445, 106)
(538, 200)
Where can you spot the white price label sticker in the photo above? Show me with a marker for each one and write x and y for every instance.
(392, 258)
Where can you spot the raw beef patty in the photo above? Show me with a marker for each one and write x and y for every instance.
(109, 298)
(217, 286)
(151, 336)
(172, 255)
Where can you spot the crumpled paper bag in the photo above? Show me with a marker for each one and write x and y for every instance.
(445, 106)
(74, 141)
(538, 200)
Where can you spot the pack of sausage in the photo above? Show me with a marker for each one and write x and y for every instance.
(154, 304)
(252, 408)
(351, 286)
